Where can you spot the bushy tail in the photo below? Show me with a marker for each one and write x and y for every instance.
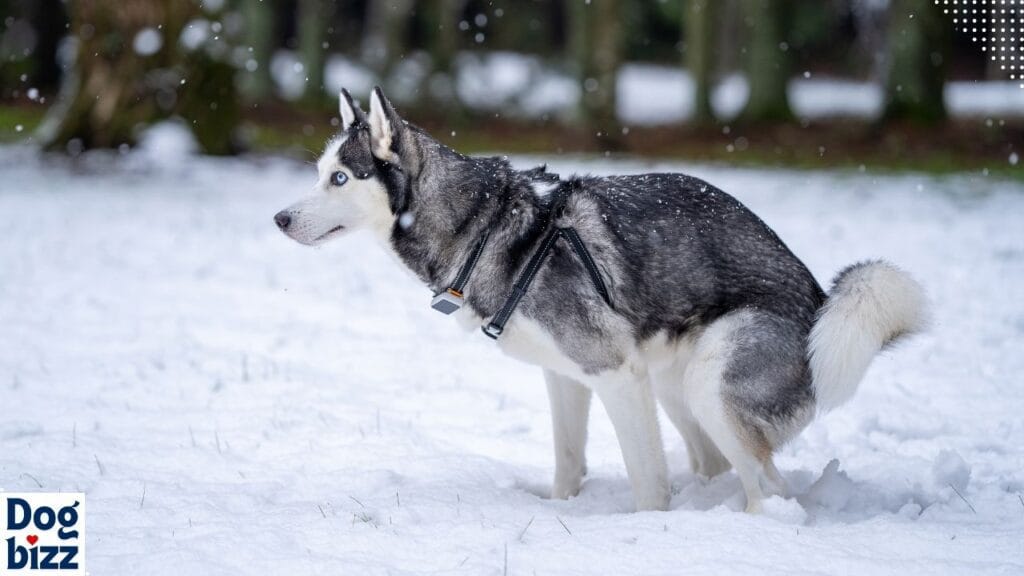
(871, 304)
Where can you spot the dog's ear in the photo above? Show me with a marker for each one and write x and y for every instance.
(350, 112)
(385, 126)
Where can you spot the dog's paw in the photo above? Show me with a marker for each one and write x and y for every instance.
(566, 486)
(565, 490)
(657, 501)
(568, 480)
(754, 506)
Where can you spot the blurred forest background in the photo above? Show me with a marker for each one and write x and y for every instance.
(883, 83)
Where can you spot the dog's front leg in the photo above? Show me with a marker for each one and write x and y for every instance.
(630, 404)
(570, 407)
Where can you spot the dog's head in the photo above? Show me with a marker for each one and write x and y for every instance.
(363, 176)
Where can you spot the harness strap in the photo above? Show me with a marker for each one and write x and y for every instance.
(467, 269)
(588, 263)
(497, 323)
(451, 299)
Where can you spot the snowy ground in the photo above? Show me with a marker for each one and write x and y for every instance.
(234, 403)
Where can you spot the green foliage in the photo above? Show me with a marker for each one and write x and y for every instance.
(28, 117)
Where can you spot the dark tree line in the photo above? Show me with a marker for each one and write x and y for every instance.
(112, 88)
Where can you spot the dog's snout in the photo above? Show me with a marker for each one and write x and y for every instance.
(283, 219)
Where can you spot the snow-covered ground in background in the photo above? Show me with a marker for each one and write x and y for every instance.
(234, 403)
(527, 86)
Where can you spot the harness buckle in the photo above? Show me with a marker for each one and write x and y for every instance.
(448, 301)
(492, 330)
(451, 298)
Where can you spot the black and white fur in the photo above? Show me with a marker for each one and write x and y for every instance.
(712, 315)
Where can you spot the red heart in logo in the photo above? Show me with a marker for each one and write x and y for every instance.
(32, 539)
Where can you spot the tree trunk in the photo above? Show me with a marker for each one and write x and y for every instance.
(699, 21)
(257, 83)
(128, 74)
(314, 19)
(768, 60)
(384, 43)
(919, 46)
(596, 37)
(442, 38)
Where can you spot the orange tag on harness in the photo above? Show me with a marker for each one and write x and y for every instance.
(448, 301)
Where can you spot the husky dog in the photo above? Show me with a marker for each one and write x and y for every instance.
(706, 309)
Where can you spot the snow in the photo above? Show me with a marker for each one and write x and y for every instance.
(341, 73)
(147, 42)
(170, 143)
(211, 6)
(951, 470)
(513, 84)
(522, 85)
(652, 94)
(291, 82)
(195, 34)
(295, 411)
(832, 491)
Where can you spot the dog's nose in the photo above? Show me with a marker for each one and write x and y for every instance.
(283, 219)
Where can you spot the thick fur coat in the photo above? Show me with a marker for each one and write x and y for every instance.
(711, 314)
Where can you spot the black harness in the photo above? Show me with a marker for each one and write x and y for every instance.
(451, 299)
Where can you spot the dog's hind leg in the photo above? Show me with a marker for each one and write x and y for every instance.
(570, 407)
(630, 404)
(705, 458)
(748, 386)
(723, 432)
(776, 484)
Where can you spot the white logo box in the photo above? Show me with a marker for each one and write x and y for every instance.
(42, 533)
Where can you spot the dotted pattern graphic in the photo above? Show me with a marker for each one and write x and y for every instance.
(998, 25)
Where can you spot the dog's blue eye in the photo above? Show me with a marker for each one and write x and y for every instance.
(339, 178)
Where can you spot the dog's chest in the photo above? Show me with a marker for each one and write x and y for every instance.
(527, 341)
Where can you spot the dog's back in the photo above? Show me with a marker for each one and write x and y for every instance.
(689, 253)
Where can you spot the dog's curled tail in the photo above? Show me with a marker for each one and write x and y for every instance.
(871, 305)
